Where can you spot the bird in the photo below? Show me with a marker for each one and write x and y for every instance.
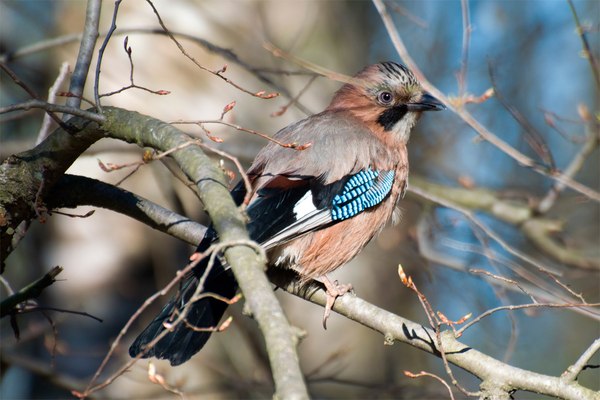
(311, 209)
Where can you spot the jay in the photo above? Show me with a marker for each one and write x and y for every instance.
(312, 210)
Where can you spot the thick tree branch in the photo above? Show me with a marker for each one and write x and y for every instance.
(73, 191)
(30, 175)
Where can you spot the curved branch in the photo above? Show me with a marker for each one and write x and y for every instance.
(73, 191)
(497, 377)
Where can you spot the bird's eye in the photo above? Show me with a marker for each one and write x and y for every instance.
(385, 97)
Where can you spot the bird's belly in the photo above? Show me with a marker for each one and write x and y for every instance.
(318, 253)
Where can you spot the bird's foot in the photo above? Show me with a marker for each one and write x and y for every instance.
(333, 291)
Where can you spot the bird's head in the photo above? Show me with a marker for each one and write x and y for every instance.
(387, 98)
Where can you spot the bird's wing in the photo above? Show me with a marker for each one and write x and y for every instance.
(344, 171)
(278, 216)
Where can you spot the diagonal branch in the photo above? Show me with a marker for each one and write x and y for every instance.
(86, 52)
(73, 191)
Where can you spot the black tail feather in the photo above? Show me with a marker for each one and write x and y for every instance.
(182, 343)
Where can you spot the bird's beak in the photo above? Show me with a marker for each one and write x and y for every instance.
(426, 103)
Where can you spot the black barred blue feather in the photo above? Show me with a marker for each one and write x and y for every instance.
(363, 190)
(319, 206)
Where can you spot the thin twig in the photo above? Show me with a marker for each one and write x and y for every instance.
(260, 94)
(238, 165)
(31, 291)
(532, 136)
(36, 308)
(496, 237)
(132, 85)
(521, 306)
(29, 91)
(591, 144)
(295, 99)
(423, 373)
(293, 145)
(113, 27)
(586, 46)
(436, 324)
(212, 252)
(27, 105)
(228, 54)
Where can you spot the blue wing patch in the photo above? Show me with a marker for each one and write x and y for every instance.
(363, 190)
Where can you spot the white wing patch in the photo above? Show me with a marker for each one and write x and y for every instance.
(304, 206)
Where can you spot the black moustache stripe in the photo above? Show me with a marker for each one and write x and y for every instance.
(391, 116)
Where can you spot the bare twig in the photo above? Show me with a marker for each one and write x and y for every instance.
(522, 306)
(238, 165)
(496, 376)
(178, 318)
(496, 237)
(295, 99)
(157, 378)
(421, 23)
(532, 136)
(423, 373)
(132, 85)
(260, 94)
(591, 143)
(86, 52)
(436, 324)
(532, 287)
(91, 388)
(54, 108)
(228, 54)
(29, 91)
(586, 46)
(293, 145)
(113, 27)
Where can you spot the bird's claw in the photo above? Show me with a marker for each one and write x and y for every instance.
(333, 291)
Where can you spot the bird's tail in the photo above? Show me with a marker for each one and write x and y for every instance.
(182, 342)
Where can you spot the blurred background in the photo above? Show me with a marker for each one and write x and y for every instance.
(112, 263)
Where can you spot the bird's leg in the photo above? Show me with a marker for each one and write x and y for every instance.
(333, 291)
